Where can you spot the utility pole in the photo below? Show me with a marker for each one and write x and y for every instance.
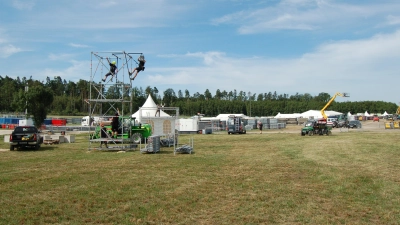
(26, 102)
(249, 94)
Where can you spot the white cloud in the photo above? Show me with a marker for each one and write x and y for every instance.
(107, 4)
(393, 20)
(78, 45)
(60, 57)
(363, 68)
(306, 15)
(107, 14)
(8, 50)
(23, 5)
(77, 70)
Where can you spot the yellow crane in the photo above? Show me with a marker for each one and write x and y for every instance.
(330, 101)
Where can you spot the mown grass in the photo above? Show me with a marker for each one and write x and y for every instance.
(274, 178)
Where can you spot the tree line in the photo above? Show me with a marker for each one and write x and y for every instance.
(59, 97)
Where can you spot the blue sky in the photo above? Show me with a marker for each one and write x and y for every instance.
(257, 46)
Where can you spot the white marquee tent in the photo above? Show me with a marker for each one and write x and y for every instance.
(148, 110)
(224, 117)
(162, 124)
(287, 116)
(316, 114)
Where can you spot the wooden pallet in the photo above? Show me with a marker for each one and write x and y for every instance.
(51, 142)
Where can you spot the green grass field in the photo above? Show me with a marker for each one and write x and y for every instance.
(273, 178)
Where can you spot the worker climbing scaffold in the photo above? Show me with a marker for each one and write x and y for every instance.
(112, 72)
(141, 62)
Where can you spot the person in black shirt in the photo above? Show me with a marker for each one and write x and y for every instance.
(260, 126)
(103, 134)
(115, 124)
(113, 68)
(139, 68)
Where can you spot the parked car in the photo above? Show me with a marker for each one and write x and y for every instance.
(354, 124)
(25, 136)
(341, 123)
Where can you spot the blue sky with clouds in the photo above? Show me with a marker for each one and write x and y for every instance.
(257, 46)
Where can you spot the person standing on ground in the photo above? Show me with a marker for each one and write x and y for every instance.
(115, 124)
(103, 134)
(260, 125)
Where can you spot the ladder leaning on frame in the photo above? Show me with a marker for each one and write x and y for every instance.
(237, 123)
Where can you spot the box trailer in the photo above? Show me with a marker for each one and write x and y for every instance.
(188, 126)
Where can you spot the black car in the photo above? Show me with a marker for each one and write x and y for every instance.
(354, 124)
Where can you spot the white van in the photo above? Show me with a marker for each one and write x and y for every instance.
(85, 121)
(331, 121)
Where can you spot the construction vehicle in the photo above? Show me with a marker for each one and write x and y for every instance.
(397, 115)
(321, 126)
(312, 127)
(341, 119)
(128, 130)
(234, 125)
(330, 102)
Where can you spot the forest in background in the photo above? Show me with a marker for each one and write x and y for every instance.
(70, 98)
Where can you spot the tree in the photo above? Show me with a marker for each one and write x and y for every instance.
(218, 94)
(36, 100)
(169, 96)
(323, 97)
(8, 87)
(180, 95)
(260, 97)
(187, 94)
(207, 95)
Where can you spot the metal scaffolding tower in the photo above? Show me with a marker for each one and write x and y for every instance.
(113, 94)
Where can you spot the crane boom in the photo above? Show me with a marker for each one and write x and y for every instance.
(330, 101)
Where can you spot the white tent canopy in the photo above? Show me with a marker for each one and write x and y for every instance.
(148, 110)
(287, 116)
(224, 117)
(316, 114)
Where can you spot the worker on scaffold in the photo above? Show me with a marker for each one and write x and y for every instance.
(159, 109)
(139, 68)
(112, 71)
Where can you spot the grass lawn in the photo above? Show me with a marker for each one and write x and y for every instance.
(273, 178)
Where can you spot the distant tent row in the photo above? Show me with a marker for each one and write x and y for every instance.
(316, 114)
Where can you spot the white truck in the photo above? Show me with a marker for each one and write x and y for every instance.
(188, 126)
(86, 121)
